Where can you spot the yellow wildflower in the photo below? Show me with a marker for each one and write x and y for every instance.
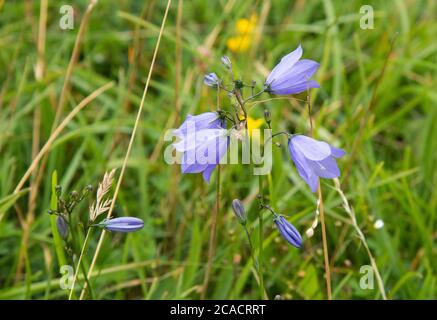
(245, 26)
(238, 43)
(245, 29)
(252, 124)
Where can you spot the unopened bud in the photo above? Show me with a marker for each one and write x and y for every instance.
(211, 80)
(238, 84)
(74, 195)
(62, 226)
(239, 211)
(58, 190)
(267, 116)
(226, 62)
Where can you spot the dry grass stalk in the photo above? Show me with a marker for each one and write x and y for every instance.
(100, 205)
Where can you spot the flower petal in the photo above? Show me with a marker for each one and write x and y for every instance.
(311, 148)
(222, 148)
(303, 168)
(296, 88)
(193, 167)
(337, 152)
(123, 224)
(206, 120)
(198, 140)
(301, 72)
(326, 168)
(289, 232)
(285, 65)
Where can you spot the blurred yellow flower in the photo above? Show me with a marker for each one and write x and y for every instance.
(238, 43)
(245, 26)
(253, 124)
(242, 41)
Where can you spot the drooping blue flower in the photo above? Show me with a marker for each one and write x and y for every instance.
(211, 80)
(288, 231)
(203, 141)
(292, 75)
(314, 159)
(123, 224)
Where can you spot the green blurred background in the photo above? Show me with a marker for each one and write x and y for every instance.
(390, 176)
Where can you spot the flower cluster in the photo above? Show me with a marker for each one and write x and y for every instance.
(203, 139)
(203, 142)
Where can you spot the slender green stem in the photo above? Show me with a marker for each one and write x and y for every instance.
(325, 244)
(79, 263)
(261, 239)
(254, 96)
(252, 252)
(263, 295)
(212, 239)
(59, 248)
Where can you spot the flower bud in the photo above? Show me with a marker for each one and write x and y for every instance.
(58, 190)
(267, 116)
(288, 231)
(239, 211)
(124, 224)
(238, 84)
(226, 62)
(211, 80)
(74, 195)
(62, 227)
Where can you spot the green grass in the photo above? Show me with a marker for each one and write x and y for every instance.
(392, 176)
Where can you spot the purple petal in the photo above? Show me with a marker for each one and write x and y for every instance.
(222, 148)
(193, 167)
(285, 65)
(126, 220)
(289, 232)
(211, 145)
(326, 168)
(198, 140)
(211, 79)
(310, 148)
(337, 152)
(206, 120)
(299, 74)
(296, 88)
(303, 168)
(122, 228)
(123, 224)
(208, 171)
